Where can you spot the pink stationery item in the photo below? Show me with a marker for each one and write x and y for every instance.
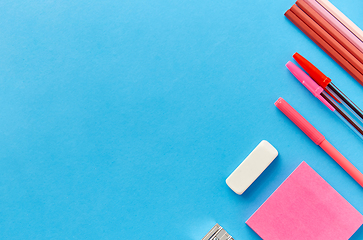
(304, 207)
(336, 24)
(342, 18)
(319, 139)
(318, 92)
(309, 83)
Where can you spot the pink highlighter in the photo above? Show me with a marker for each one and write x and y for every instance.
(319, 139)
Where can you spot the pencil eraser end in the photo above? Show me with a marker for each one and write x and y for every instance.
(252, 167)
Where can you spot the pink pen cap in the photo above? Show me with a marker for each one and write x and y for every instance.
(300, 121)
(309, 83)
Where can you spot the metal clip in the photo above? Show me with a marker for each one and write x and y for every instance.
(217, 233)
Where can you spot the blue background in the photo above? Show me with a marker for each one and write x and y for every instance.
(122, 119)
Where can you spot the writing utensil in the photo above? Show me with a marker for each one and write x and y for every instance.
(342, 18)
(319, 139)
(352, 46)
(336, 24)
(327, 38)
(320, 41)
(319, 93)
(328, 86)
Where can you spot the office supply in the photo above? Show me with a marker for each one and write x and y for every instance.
(327, 38)
(334, 23)
(342, 18)
(318, 92)
(304, 207)
(217, 233)
(354, 46)
(328, 86)
(319, 139)
(315, 74)
(252, 167)
(344, 63)
(308, 83)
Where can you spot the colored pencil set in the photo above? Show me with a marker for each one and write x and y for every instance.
(332, 31)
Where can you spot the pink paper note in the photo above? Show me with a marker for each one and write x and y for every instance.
(304, 207)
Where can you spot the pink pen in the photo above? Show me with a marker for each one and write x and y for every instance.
(309, 83)
(319, 139)
(319, 93)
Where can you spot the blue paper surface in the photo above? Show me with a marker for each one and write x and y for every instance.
(122, 119)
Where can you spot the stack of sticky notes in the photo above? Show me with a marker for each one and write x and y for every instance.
(304, 207)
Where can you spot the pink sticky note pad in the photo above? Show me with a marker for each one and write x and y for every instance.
(304, 207)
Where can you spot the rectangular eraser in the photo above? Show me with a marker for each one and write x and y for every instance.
(252, 167)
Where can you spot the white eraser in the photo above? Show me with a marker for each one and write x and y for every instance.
(252, 167)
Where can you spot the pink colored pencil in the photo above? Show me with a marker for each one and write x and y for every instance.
(342, 18)
(336, 24)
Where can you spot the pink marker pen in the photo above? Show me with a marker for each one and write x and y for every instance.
(319, 139)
